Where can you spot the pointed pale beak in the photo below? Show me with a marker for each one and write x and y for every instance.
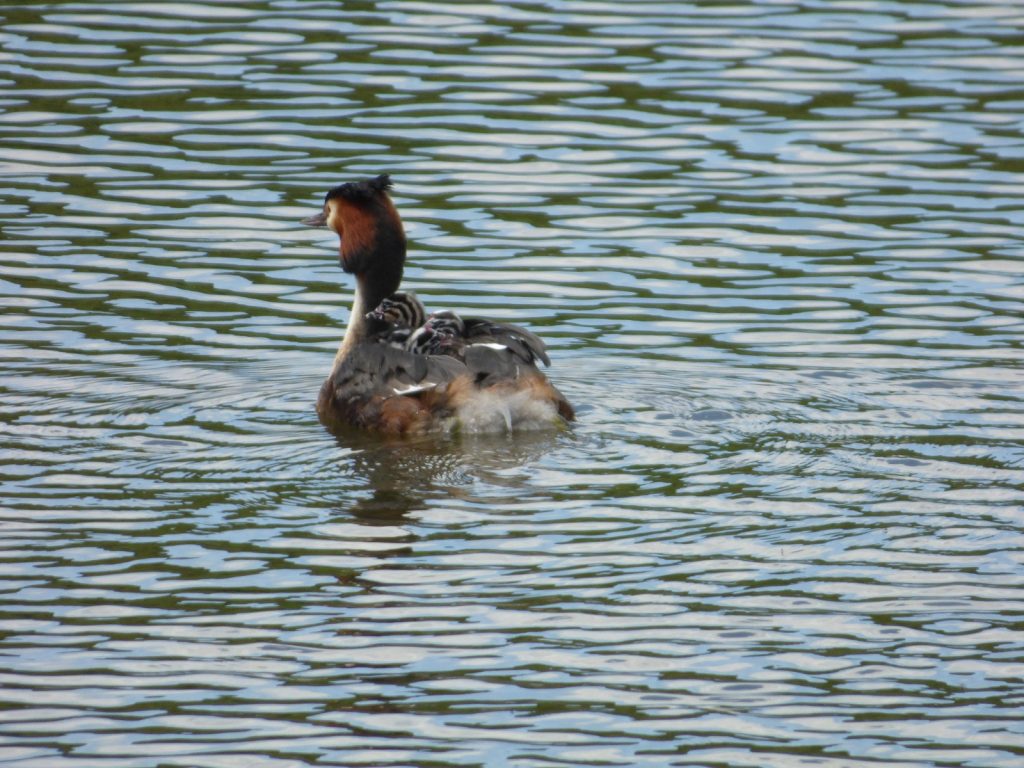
(320, 220)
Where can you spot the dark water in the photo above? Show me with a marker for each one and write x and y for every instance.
(776, 251)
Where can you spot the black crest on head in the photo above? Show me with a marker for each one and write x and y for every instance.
(364, 190)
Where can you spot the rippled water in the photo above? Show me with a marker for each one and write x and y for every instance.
(776, 251)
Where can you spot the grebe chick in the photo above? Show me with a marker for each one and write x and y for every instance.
(492, 385)
(445, 332)
(430, 339)
(396, 317)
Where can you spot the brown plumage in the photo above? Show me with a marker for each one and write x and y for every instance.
(487, 381)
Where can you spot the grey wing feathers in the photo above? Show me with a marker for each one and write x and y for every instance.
(525, 345)
(489, 366)
(377, 369)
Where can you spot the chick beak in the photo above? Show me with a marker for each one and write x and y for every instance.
(320, 220)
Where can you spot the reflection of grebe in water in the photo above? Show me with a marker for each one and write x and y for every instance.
(413, 474)
(484, 380)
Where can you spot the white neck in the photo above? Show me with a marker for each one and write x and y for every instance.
(356, 330)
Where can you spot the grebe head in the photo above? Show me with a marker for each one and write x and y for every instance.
(426, 340)
(446, 321)
(371, 238)
(400, 309)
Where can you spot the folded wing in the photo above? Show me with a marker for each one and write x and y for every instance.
(523, 344)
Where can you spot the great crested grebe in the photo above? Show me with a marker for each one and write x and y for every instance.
(467, 374)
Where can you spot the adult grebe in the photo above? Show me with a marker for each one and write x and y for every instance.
(490, 384)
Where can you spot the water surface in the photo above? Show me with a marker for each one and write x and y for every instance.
(776, 253)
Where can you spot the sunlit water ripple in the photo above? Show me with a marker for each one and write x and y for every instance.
(776, 252)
